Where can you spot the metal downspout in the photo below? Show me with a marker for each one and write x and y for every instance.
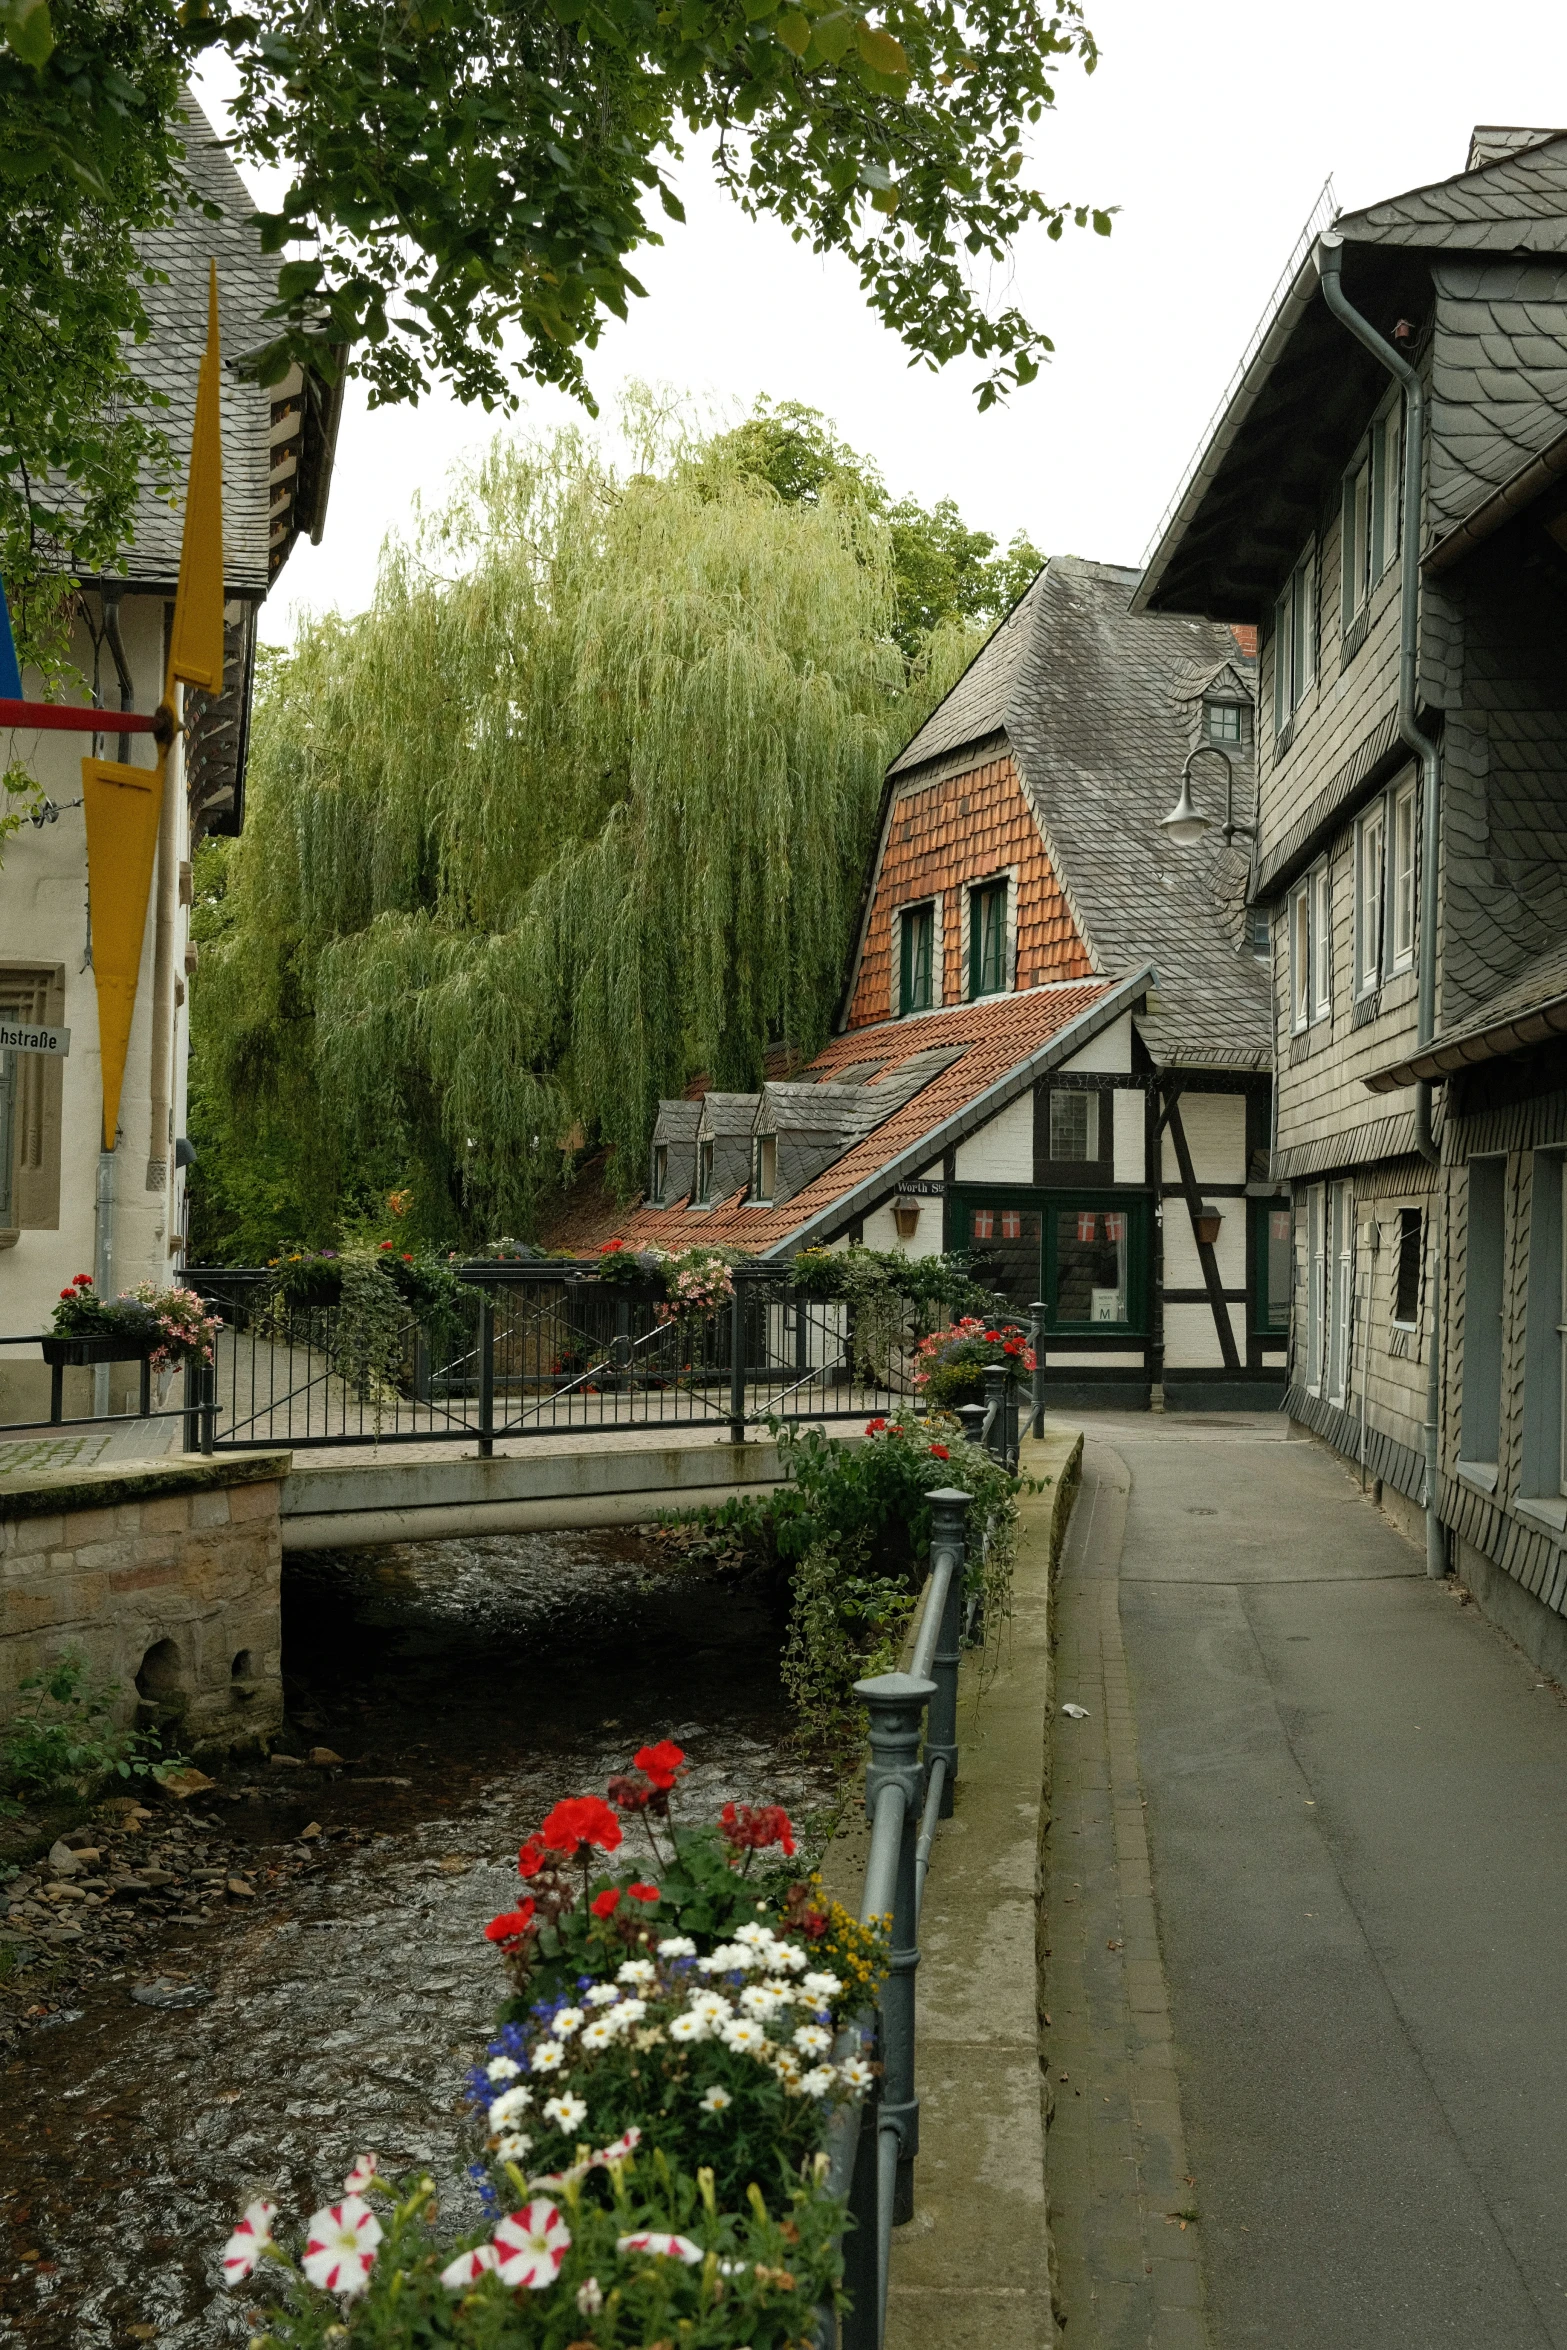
(1330, 263)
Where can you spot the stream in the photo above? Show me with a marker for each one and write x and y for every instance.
(468, 1684)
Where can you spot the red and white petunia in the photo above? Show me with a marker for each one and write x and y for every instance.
(340, 2244)
(363, 2172)
(531, 2244)
(469, 2267)
(666, 2247)
(250, 2239)
(622, 2149)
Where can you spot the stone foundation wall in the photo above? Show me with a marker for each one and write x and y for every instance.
(164, 1578)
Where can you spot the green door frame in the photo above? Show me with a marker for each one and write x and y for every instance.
(1101, 1199)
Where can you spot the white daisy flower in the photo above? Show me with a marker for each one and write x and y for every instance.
(713, 2005)
(505, 2108)
(744, 2037)
(812, 2040)
(756, 2000)
(818, 2081)
(601, 1995)
(629, 2012)
(566, 2022)
(783, 1992)
(686, 2028)
(547, 2057)
(822, 1986)
(790, 1957)
(856, 2074)
(715, 2099)
(514, 2146)
(677, 1946)
(637, 1970)
(757, 1936)
(502, 2068)
(598, 2035)
(566, 2111)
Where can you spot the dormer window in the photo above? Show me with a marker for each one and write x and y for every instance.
(764, 1168)
(658, 1190)
(917, 935)
(704, 1174)
(987, 939)
(1223, 722)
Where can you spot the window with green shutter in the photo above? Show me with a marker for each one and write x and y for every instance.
(917, 927)
(987, 939)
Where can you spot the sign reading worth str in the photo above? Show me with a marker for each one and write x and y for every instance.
(16, 1037)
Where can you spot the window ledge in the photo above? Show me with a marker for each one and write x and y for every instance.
(1355, 636)
(1366, 1009)
(1480, 1474)
(1544, 1509)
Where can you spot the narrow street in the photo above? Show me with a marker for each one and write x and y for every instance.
(1337, 2075)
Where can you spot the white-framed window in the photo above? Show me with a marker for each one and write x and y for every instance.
(1341, 1268)
(1074, 1123)
(1370, 896)
(1295, 640)
(1316, 1270)
(1401, 878)
(1373, 500)
(1321, 942)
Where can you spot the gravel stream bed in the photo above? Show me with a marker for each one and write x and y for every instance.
(334, 2005)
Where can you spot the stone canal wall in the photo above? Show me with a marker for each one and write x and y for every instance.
(163, 1576)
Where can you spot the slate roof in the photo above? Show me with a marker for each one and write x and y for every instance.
(1006, 1041)
(1474, 256)
(976, 706)
(1531, 1010)
(287, 429)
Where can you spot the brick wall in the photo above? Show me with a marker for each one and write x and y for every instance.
(941, 838)
(184, 1561)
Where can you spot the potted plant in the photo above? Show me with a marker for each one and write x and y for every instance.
(146, 1324)
(950, 1364)
(307, 1277)
(640, 1274)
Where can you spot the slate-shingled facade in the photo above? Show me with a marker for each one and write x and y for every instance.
(1053, 1045)
(1303, 532)
(277, 452)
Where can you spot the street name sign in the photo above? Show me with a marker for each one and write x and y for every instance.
(18, 1036)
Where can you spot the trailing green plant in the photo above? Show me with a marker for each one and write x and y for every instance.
(63, 1736)
(950, 1365)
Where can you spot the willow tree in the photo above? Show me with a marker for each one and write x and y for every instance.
(578, 807)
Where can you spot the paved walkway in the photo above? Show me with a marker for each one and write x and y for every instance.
(1355, 1794)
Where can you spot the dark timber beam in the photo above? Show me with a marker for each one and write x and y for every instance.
(1205, 1249)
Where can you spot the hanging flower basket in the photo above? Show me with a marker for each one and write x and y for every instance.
(146, 1324)
(114, 1347)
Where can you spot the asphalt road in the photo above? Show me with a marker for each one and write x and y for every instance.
(1356, 1797)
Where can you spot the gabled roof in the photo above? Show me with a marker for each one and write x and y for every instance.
(1531, 1010)
(1487, 236)
(1000, 1044)
(976, 707)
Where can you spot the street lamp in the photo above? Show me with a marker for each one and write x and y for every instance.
(1186, 823)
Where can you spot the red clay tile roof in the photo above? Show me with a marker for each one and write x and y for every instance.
(999, 1032)
(943, 836)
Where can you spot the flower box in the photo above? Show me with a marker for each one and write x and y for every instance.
(114, 1347)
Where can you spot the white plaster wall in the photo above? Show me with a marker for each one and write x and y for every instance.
(1003, 1150)
(43, 919)
(1110, 1049)
(1215, 1126)
(1191, 1343)
(1130, 1156)
(882, 1232)
(1183, 1265)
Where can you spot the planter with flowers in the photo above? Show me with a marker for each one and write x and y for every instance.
(652, 2119)
(640, 1275)
(307, 1277)
(950, 1365)
(161, 1327)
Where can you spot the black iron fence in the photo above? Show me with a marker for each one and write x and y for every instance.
(541, 1349)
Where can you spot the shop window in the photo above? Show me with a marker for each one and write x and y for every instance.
(1004, 1247)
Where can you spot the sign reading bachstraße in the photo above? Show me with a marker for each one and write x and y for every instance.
(18, 1037)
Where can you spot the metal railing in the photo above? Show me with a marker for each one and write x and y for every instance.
(539, 1349)
(909, 1786)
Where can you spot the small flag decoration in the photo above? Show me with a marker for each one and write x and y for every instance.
(196, 639)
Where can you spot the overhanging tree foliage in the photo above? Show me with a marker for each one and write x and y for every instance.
(578, 807)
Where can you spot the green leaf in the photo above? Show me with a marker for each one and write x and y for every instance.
(298, 278)
(28, 30)
(794, 30)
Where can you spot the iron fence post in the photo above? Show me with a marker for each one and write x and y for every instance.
(209, 1406)
(972, 1416)
(486, 1374)
(861, 2327)
(896, 1703)
(191, 1431)
(949, 1520)
(737, 1360)
(997, 1381)
(1036, 1339)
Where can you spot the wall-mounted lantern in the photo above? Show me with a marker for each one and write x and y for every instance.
(1186, 823)
(1206, 1224)
(906, 1216)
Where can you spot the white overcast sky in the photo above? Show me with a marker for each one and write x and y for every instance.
(1211, 127)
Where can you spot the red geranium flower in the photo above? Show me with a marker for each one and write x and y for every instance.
(628, 1794)
(383, 1244)
(662, 1763)
(531, 1858)
(610, 1247)
(874, 1427)
(81, 1281)
(644, 1892)
(606, 1903)
(941, 1453)
(751, 1829)
(579, 1820)
(511, 1926)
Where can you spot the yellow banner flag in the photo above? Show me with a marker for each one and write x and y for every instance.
(196, 639)
(122, 806)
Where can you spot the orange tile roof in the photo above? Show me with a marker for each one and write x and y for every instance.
(943, 836)
(1000, 1032)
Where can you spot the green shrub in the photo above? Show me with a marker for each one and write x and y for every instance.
(63, 1736)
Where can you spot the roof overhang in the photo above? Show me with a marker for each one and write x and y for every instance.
(873, 1190)
(1519, 1032)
